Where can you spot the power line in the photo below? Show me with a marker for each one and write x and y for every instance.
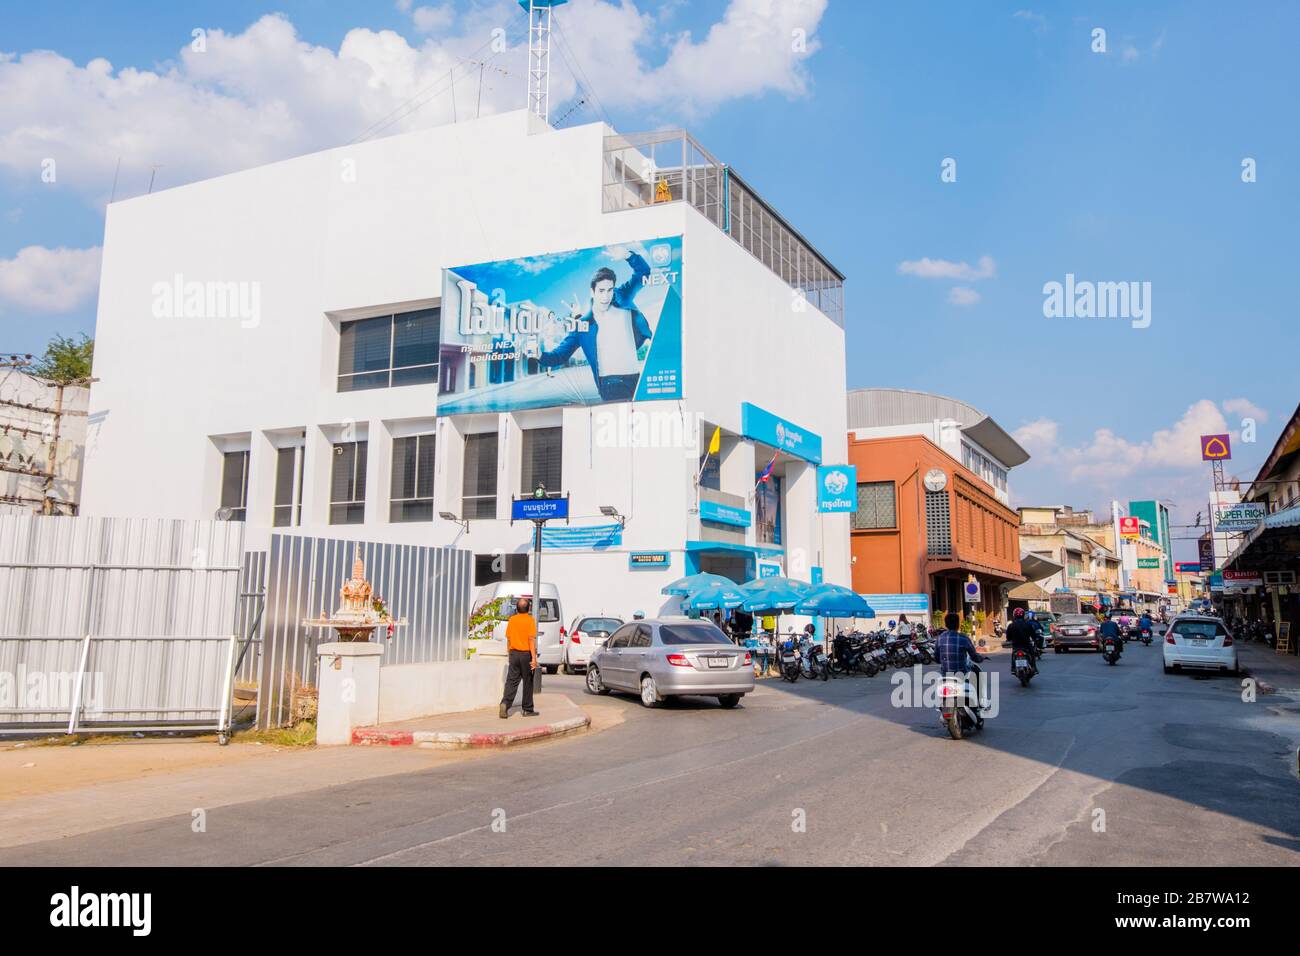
(575, 67)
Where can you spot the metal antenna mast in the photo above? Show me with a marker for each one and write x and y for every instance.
(539, 55)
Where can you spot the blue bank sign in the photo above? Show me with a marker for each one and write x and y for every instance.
(837, 489)
(538, 509)
(761, 425)
(724, 514)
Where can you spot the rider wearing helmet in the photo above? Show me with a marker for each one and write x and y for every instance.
(638, 615)
(1021, 635)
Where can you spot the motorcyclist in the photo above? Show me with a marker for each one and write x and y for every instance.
(957, 655)
(1110, 628)
(1144, 623)
(1022, 637)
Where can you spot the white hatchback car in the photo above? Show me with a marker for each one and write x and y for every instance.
(1200, 642)
(584, 635)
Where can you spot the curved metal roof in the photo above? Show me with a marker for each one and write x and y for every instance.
(874, 407)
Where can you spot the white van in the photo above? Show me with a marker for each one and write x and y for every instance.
(549, 650)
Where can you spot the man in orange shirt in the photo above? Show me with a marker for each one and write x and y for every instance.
(521, 640)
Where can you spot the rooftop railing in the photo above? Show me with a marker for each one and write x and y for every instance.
(646, 169)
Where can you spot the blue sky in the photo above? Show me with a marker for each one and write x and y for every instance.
(1117, 166)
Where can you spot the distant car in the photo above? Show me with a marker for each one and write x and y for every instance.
(671, 657)
(1075, 630)
(1043, 622)
(581, 637)
(1199, 642)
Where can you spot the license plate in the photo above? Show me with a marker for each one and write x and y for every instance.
(1021, 665)
(1074, 633)
(787, 657)
(718, 661)
(1198, 642)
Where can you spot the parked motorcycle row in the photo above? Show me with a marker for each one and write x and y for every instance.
(855, 652)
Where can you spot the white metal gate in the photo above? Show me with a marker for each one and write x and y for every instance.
(117, 623)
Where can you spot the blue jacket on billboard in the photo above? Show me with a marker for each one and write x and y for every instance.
(621, 344)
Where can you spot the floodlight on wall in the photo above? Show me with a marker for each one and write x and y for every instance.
(448, 516)
(609, 511)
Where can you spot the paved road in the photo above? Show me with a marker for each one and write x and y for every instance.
(1182, 770)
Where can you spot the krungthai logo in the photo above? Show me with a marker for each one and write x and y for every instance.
(836, 482)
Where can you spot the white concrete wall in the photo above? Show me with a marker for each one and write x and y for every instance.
(445, 687)
(367, 229)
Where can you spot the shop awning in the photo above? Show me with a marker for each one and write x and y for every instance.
(946, 565)
(1035, 567)
(1029, 591)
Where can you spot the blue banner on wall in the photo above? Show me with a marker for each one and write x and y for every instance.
(837, 489)
(724, 514)
(890, 605)
(761, 425)
(590, 538)
(582, 327)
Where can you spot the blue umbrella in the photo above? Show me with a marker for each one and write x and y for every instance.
(832, 600)
(773, 594)
(714, 596)
(694, 582)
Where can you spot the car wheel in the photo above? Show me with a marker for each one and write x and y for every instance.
(564, 666)
(649, 692)
(594, 684)
(1168, 669)
(729, 700)
(550, 668)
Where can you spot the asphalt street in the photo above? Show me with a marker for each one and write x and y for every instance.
(1091, 764)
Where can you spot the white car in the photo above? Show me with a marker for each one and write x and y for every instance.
(1200, 642)
(548, 638)
(583, 635)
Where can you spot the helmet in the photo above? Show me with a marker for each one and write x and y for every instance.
(1020, 612)
(638, 615)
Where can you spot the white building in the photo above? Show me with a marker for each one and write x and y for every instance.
(963, 431)
(270, 342)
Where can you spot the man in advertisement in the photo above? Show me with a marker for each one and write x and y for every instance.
(610, 332)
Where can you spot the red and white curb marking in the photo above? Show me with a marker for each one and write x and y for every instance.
(443, 740)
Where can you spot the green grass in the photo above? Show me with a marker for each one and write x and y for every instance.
(301, 734)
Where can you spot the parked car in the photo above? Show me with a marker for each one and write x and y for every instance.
(583, 635)
(549, 650)
(1075, 630)
(1043, 622)
(1201, 642)
(671, 657)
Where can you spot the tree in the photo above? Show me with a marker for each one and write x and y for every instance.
(66, 359)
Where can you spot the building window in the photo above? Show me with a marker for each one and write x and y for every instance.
(875, 505)
(490, 568)
(288, 488)
(389, 350)
(767, 511)
(348, 483)
(541, 460)
(234, 484)
(938, 524)
(479, 491)
(412, 486)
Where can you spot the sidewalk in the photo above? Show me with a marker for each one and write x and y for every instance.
(1273, 672)
(557, 716)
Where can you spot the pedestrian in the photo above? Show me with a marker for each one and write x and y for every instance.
(521, 642)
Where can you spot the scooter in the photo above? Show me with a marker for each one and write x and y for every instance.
(1144, 635)
(1110, 650)
(959, 705)
(1024, 667)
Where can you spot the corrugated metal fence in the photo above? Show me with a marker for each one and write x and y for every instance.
(428, 587)
(117, 622)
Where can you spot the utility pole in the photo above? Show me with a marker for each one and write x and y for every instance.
(539, 55)
(50, 434)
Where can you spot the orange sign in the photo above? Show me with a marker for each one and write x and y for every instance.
(1129, 528)
(1215, 447)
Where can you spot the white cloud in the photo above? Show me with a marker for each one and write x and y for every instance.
(433, 19)
(266, 94)
(928, 268)
(962, 295)
(1245, 408)
(1037, 19)
(1037, 437)
(38, 279)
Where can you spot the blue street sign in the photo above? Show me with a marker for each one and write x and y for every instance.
(539, 509)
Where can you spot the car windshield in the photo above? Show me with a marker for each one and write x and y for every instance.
(701, 633)
(1075, 620)
(606, 624)
(1201, 629)
(550, 608)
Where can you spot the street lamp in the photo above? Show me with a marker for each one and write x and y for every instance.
(448, 516)
(609, 511)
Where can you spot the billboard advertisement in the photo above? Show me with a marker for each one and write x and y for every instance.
(582, 327)
(1239, 517)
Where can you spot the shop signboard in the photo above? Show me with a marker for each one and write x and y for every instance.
(1206, 549)
(1129, 527)
(648, 559)
(582, 327)
(1216, 447)
(837, 489)
(1147, 563)
(725, 514)
(1242, 579)
(761, 425)
(1239, 517)
(766, 569)
(1187, 567)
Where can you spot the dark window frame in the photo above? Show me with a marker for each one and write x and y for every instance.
(350, 510)
(386, 374)
(404, 509)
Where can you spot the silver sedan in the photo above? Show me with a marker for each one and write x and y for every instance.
(671, 657)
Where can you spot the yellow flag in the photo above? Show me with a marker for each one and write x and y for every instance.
(715, 443)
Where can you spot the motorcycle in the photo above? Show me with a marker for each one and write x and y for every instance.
(1024, 667)
(814, 661)
(959, 705)
(1144, 635)
(1110, 650)
(790, 666)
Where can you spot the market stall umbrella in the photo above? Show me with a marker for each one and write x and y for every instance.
(833, 600)
(694, 582)
(714, 597)
(773, 594)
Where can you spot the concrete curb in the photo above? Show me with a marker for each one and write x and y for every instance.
(443, 740)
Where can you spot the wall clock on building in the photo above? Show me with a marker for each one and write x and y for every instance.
(936, 480)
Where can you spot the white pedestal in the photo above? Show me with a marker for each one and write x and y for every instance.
(348, 689)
